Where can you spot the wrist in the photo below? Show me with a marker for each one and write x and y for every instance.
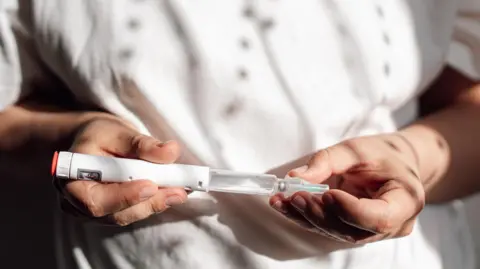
(431, 151)
(410, 148)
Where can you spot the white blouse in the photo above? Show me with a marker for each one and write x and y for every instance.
(246, 85)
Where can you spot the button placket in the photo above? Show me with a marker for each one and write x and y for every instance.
(386, 69)
(129, 27)
(242, 72)
(386, 40)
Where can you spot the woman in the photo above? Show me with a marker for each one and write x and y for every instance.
(306, 88)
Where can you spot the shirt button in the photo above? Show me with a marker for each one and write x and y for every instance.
(133, 24)
(244, 43)
(125, 54)
(267, 24)
(242, 74)
(386, 69)
(232, 108)
(248, 12)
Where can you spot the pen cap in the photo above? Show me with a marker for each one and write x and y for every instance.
(61, 164)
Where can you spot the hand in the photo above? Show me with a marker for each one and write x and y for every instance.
(119, 203)
(375, 191)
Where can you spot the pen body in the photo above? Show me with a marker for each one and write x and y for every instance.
(76, 166)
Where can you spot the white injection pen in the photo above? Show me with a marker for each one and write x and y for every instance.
(76, 166)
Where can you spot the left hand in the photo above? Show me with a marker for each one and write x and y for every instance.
(375, 191)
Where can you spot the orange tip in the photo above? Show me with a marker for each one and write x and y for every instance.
(54, 162)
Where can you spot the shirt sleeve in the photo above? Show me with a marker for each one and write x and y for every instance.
(464, 53)
(23, 74)
(10, 75)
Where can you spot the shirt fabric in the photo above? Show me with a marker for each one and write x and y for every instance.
(245, 85)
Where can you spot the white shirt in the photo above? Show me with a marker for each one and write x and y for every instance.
(245, 85)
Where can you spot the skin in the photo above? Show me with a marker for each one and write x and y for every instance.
(34, 132)
(379, 183)
(376, 190)
(120, 203)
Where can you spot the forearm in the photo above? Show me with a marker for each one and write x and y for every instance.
(445, 141)
(29, 135)
(446, 149)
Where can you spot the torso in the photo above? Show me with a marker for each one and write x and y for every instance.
(245, 85)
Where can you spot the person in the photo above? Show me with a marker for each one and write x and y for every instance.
(309, 89)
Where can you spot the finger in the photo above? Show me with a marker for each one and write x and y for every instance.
(311, 207)
(381, 215)
(122, 140)
(283, 206)
(158, 203)
(327, 162)
(305, 219)
(97, 199)
(276, 202)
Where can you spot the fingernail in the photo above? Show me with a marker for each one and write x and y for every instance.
(280, 207)
(300, 169)
(328, 199)
(173, 200)
(148, 192)
(162, 144)
(299, 203)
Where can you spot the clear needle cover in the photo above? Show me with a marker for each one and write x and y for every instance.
(259, 184)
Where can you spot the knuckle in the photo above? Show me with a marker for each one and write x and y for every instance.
(86, 197)
(384, 225)
(322, 154)
(139, 142)
(322, 157)
(406, 231)
(124, 201)
(421, 199)
(353, 144)
(158, 206)
(94, 210)
(121, 221)
(369, 165)
(421, 204)
(357, 144)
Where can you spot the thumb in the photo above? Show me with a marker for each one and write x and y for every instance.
(150, 149)
(118, 139)
(326, 163)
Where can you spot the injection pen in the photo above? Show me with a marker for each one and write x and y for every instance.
(76, 166)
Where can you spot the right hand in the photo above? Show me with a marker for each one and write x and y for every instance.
(119, 203)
